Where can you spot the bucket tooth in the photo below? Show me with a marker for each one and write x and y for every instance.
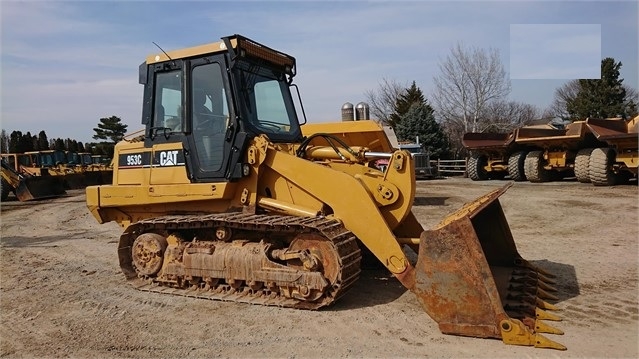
(546, 287)
(542, 327)
(521, 298)
(545, 305)
(533, 275)
(545, 279)
(514, 332)
(531, 289)
(545, 295)
(544, 315)
(533, 282)
(530, 299)
(520, 262)
(543, 342)
(538, 292)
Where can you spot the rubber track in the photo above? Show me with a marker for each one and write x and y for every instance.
(344, 242)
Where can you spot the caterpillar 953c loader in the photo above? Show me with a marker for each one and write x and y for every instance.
(225, 197)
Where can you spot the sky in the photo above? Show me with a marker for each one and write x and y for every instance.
(66, 64)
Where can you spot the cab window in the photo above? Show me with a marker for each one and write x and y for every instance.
(168, 101)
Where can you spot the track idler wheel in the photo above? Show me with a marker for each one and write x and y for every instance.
(148, 253)
(316, 253)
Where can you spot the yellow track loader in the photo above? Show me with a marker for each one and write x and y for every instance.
(25, 186)
(229, 196)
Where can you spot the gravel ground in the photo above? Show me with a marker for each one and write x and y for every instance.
(62, 293)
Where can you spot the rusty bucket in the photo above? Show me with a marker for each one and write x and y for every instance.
(471, 279)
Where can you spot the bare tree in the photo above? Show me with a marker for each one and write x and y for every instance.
(563, 94)
(632, 101)
(506, 116)
(382, 100)
(470, 79)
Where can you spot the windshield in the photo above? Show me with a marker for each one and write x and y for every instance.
(266, 98)
(46, 160)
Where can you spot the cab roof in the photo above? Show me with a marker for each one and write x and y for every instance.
(210, 48)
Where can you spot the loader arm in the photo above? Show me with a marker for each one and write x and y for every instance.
(356, 207)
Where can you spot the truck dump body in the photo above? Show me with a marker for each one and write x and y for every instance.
(482, 141)
(615, 131)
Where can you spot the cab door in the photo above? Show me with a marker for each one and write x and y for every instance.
(211, 119)
(163, 154)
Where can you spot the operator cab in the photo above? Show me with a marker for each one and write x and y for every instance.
(213, 99)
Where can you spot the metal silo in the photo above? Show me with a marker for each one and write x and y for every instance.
(362, 111)
(348, 112)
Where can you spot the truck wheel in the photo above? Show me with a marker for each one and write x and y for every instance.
(601, 160)
(476, 170)
(5, 189)
(582, 165)
(516, 166)
(534, 167)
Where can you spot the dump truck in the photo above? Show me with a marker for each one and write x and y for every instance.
(617, 162)
(495, 156)
(558, 153)
(228, 197)
(25, 186)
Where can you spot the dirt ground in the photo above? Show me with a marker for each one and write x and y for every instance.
(63, 295)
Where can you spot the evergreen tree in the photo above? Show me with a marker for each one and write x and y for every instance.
(34, 143)
(412, 95)
(59, 144)
(71, 145)
(26, 142)
(14, 141)
(605, 97)
(43, 142)
(4, 142)
(419, 121)
(110, 128)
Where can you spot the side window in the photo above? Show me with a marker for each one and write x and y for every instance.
(168, 101)
(209, 111)
(270, 104)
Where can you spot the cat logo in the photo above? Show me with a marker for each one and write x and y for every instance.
(168, 158)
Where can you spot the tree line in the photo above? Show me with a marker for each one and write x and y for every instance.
(110, 130)
(470, 95)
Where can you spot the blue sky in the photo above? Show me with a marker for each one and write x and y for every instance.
(66, 64)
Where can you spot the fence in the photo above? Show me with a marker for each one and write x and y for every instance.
(450, 167)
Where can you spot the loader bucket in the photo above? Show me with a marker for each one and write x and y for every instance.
(39, 187)
(471, 280)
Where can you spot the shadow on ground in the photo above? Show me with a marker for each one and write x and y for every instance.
(430, 201)
(566, 278)
(374, 287)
